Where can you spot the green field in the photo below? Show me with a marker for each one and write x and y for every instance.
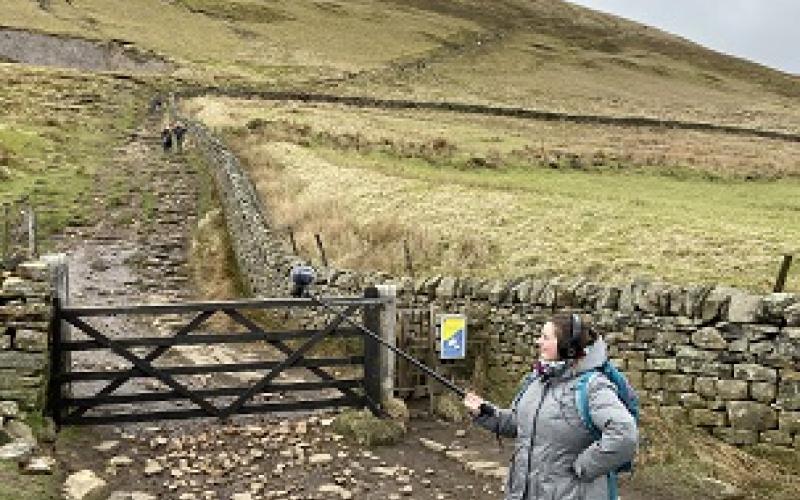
(458, 190)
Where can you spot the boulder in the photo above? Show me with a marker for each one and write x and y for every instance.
(131, 495)
(732, 389)
(20, 430)
(152, 466)
(335, 490)
(716, 304)
(754, 373)
(85, 485)
(776, 304)
(9, 409)
(792, 315)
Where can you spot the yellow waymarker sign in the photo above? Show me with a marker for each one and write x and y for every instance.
(453, 336)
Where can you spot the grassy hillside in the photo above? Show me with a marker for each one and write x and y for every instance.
(555, 55)
(542, 53)
(57, 132)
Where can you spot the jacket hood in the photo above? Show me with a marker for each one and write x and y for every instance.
(596, 355)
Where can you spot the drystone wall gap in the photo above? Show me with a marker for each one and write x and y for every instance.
(717, 357)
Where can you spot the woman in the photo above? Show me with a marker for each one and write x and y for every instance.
(555, 456)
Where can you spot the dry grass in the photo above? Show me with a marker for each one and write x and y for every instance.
(211, 260)
(367, 237)
(454, 139)
(606, 223)
(548, 72)
(686, 458)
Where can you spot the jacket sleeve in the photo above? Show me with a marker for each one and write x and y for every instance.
(620, 435)
(502, 423)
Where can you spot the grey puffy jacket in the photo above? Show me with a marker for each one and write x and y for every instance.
(555, 457)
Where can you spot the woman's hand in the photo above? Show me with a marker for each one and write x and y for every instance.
(473, 403)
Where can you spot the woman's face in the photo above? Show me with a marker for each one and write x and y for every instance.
(548, 345)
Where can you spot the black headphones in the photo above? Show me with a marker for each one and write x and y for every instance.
(573, 346)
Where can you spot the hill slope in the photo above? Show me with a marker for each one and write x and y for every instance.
(544, 54)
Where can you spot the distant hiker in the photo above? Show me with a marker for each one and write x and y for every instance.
(166, 138)
(155, 104)
(574, 418)
(179, 129)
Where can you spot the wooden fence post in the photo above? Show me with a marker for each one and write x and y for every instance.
(60, 360)
(783, 273)
(321, 250)
(292, 240)
(407, 258)
(6, 230)
(32, 250)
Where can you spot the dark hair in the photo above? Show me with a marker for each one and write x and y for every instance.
(565, 326)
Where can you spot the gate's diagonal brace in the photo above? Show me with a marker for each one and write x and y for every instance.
(285, 349)
(142, 365)
(281, 346)
(151, 356)
(289, 361)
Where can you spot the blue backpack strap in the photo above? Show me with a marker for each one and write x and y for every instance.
(611, 483)
(582, 403)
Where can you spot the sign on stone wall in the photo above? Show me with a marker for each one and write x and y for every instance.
(452, 336)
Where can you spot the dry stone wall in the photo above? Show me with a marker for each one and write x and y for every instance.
(720, 358)
(25, 313)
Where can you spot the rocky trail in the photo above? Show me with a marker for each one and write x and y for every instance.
(137, 253)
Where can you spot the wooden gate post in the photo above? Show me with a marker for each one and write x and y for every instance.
(54, 407)
(378, 359)
(388, 318)
(59, 332)
(372, 350)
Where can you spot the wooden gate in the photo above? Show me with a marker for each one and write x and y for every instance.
(220, 402)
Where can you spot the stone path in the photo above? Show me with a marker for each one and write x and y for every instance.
(137, 254)
(293, 458)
